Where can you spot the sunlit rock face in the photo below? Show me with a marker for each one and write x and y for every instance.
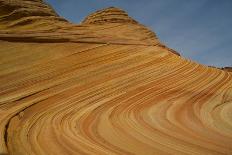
(106, 86)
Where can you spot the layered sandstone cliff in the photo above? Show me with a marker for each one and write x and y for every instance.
(103, 87)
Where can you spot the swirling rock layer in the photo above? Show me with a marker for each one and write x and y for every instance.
(118, 93)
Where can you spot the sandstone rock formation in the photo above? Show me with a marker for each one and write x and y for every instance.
(227, 69)
(104, 87)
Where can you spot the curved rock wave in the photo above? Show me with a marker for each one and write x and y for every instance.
(119, 93)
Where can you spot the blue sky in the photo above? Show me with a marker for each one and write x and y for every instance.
(200, 30)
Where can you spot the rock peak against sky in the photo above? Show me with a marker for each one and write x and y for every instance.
(40, 23)
(199, 30)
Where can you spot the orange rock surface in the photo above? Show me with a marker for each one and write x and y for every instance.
(106, 86)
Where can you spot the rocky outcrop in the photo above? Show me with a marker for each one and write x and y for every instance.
(84, 89)
(229, 69)
(34, 21)
(23, 13)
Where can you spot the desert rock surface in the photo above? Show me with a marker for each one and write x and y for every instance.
(107, 86)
